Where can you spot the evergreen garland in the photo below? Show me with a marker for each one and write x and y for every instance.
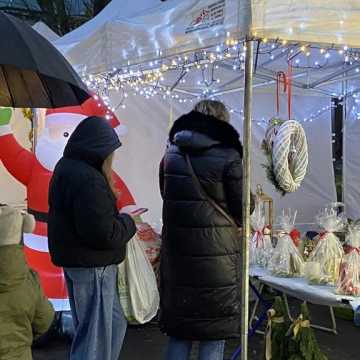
(279, 322)
(302, 343)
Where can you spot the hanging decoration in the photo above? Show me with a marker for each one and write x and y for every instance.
(285, 144)
(290, 156)
(149, 79)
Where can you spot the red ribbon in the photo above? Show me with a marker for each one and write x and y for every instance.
(289, 87)
(286, 81)
(280, 78)
(295, 237)
(349, 249)
(323, 234)
(259, 238)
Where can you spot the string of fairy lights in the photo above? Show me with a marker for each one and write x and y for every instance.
(150, 79)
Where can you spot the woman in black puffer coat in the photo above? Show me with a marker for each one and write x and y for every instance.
(201, 251)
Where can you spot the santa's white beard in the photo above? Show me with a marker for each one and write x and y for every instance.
(49, 151)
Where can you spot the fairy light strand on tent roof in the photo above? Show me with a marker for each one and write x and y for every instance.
(147, 79)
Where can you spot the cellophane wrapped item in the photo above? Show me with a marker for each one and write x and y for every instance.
(260, 244)
(327, 255)
(349, 277)
(286, 260)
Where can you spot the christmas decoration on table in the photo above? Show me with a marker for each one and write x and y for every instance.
(308, 244)
(349, 278)
(260, 244)
(276, 329)
(302, 343)
(328, 251)
(34, 170)
(286, 260)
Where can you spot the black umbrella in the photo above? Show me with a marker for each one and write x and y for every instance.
(33, 73)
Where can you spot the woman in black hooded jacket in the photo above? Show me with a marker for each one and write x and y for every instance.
(201, 249)
(87, 236)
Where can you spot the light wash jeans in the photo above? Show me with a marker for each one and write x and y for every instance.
(99, 321)
(208, 350)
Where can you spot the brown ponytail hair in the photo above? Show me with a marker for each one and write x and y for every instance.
(107, 172)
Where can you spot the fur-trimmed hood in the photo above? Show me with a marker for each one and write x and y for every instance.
(198, 131)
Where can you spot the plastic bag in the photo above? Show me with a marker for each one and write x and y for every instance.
(328, 251)
(260, 244)
(286, 260)
(349, 277)
(137, 286)
(151, 242)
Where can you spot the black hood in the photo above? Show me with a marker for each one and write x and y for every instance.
(198, 131)
(92, 142)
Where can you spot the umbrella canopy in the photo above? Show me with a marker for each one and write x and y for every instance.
(33, 73)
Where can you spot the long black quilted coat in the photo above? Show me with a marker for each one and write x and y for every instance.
(201, 251)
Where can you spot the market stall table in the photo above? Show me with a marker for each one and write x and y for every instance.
(300, 289)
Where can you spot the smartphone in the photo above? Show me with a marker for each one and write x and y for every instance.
(139, 212)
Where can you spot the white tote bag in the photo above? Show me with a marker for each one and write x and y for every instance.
(138, 291)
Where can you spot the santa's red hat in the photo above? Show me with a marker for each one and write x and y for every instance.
(73, 115)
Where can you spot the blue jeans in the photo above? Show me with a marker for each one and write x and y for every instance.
(208, 350)
(99, 321)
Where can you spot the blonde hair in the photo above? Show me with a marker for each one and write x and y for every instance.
(108, 173)
(214, 108)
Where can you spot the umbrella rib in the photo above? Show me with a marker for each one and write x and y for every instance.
(46, 90)
(8, 86)
(26, 87)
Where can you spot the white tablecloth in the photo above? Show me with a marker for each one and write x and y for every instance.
(300, 289)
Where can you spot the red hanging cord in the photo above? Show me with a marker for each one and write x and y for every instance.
(289, 87)
(280, 78)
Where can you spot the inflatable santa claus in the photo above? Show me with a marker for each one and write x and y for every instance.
(35, 171)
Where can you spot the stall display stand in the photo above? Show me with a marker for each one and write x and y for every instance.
(300, 289)
(333, 329)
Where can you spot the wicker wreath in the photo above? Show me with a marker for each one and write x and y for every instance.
(290, 156)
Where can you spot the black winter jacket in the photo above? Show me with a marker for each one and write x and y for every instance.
(84, 227)
(201, 250)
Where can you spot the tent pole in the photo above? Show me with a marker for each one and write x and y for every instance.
(246, 197)
(34, 129)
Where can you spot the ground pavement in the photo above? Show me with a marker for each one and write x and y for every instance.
(147, 343)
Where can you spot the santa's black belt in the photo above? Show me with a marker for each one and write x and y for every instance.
(39, 216)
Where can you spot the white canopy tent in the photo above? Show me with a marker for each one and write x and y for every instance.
(45, 31)
(125, 33)
(117, 39)
(138, 31)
